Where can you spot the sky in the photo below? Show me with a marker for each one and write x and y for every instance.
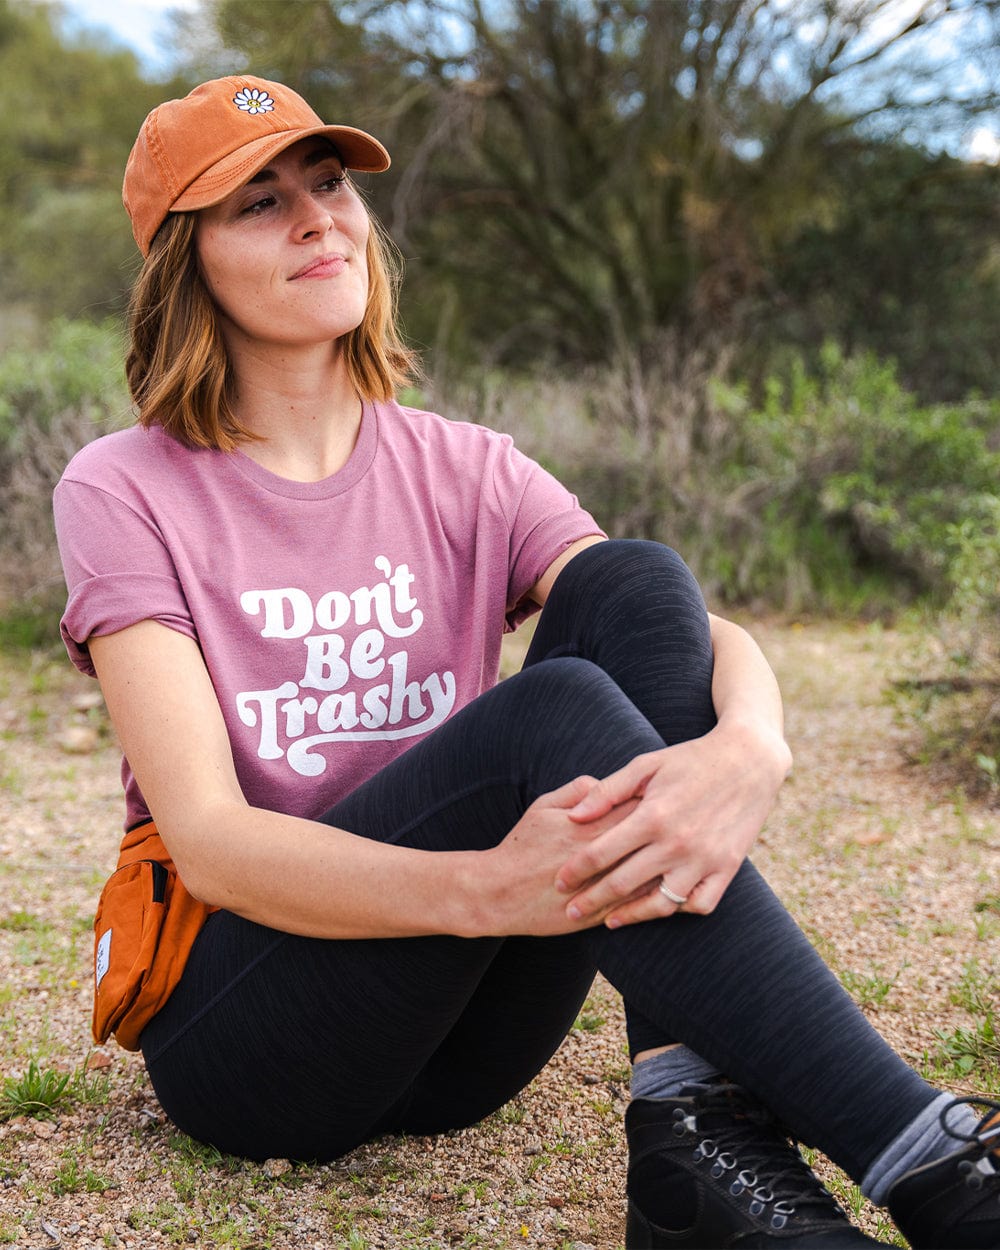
(141, 26)
(138, 24)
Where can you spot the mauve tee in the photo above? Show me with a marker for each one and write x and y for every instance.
(340, 620)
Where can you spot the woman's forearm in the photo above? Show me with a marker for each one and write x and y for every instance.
(312, 879)
(746, 694)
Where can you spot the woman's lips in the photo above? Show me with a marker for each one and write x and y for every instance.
(321, 267)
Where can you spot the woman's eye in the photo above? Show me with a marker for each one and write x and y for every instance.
(258, 206)
(333, 183)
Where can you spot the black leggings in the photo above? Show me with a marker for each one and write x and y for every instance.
(276, 1045)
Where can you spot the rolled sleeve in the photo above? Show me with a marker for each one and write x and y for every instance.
(113, 601)
(544, 518)
(117, 568)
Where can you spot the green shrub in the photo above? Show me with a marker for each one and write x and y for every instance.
(857, 490)
(77, 368)
(959, 703)
(831, 490)
(54, 397)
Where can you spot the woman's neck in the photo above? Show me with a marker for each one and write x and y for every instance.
(304, 410)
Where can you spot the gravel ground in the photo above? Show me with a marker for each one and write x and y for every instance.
(891, 876)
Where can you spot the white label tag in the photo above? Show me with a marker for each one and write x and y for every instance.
(102, 960)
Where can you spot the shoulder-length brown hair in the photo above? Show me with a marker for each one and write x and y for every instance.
(177, 368)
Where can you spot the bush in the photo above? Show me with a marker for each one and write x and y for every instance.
(53, 400)
(857, 490)
(831, 491)
(958, 704)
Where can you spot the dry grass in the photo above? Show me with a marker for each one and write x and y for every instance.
(895, 880)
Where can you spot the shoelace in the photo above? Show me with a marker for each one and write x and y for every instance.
(741, 1137)
(984, 1169)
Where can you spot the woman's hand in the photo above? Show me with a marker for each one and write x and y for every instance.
(517, 879)
(697, 810)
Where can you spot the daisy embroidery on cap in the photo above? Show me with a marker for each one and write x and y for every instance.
(253, 100)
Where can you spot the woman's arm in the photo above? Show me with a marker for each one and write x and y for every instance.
(299, 875)
(702, 803)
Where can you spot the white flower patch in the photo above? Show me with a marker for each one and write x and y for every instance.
(253, 100)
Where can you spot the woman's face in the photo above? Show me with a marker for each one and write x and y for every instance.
(284, 256)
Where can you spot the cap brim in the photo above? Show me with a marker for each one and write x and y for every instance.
(357, 149)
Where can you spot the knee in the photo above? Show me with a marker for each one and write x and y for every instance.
(564, 685)
(564, 700)
(628, 565)
(624, 588)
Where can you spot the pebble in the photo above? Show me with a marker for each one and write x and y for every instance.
(79, 740)
(276, 1167)
(88, 701)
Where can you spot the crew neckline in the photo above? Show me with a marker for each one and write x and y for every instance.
(358, 464)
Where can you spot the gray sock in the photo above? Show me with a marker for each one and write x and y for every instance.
(922, 1140)
(663, 1075)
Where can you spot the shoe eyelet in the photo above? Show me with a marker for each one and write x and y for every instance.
(683, 1122)
(724, 1163)
(745, 1180)
(971, 1174)
(779, 1221)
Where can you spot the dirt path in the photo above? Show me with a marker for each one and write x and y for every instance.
(895, 881)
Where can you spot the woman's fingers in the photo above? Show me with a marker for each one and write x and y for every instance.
(652, 903)
(601, 796)
(568, 796)
(594, 859)
(620, 873)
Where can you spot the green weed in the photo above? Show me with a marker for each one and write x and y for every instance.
(871, 990)
(973, 1049)
(70, 1178)
(38, 1093)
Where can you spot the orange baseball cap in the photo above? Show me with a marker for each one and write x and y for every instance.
(192, 153)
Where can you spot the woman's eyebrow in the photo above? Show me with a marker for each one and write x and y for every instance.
(315, 157)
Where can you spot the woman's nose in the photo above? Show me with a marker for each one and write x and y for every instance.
(312, 215)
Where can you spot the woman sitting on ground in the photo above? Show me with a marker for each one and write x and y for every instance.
(293, 591)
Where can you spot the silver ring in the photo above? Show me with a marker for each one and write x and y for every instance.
(667, 892)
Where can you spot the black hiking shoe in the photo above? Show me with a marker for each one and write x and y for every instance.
(711, 1169)
(954, 1202)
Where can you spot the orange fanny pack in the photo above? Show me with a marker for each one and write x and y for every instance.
(145, 926)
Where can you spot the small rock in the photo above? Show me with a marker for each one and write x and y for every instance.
(277, 1167)
(79, 740)
(88, 701)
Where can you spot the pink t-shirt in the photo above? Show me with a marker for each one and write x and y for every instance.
(340, 620)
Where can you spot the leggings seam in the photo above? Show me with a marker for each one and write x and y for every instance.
(217, 998)
(455, 796)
